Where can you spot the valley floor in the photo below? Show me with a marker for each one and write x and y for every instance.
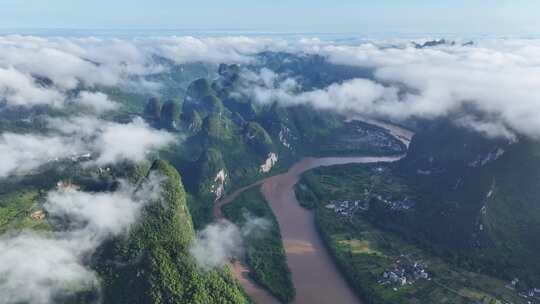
(305, 251)
(379, 265)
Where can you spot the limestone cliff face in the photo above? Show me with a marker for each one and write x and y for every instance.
(213, 175)
(218, 188)
(269, 163)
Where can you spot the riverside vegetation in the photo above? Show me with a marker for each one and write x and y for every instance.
(445, 205)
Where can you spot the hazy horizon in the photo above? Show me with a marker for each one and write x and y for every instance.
(512, 18)
(343, 37)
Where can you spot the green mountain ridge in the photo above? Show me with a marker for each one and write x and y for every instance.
(153, 264)
(483, 194)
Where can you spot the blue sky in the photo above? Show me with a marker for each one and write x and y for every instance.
(405, 16)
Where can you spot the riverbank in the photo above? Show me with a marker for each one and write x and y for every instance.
(314, 273)
(380, 264)
(264, 253)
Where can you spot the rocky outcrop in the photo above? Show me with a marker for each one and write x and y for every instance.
(269, 163)
(218, 187)
(170, 113)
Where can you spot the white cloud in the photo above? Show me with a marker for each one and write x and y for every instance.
(254, 226)
(19, 89)
(105, 213)
(98, 101)
(210, 49)
(36, 267)
(356, 95)
(497, 78)
(131, 141)
(20, 153)
(113, 142)
(216, 244)
(108, 142)
(491, 129)
(219, 242)
(500, 78)
(71, 63)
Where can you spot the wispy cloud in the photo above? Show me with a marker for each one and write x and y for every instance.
(498, 79)
(107, 142)
(38, 267)
(70, 63)
(216, 244)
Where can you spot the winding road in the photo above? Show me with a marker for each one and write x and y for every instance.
(314, 273)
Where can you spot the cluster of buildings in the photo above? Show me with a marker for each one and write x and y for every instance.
(74, 157)
(67, 185)
(347, 208)
(103, 171)
(283, 134)
(403, 272)
(379, 139)
(38, 215)
(532, 294)
(491, 156)
(398, 205)
(81, 157)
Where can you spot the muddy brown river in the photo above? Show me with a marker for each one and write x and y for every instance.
(314, 273)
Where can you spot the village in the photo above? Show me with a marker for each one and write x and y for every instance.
(347, 208)
(531, 294)
(404, 271)
(378, 138)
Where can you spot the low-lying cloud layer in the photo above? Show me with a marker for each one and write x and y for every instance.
(492, 87)
(97, 101)
(497, 77)
(112, 142)
(107, 143)
(24, 152)
(37, 267)
(498, 80)
(218, 243)
(36, 71)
